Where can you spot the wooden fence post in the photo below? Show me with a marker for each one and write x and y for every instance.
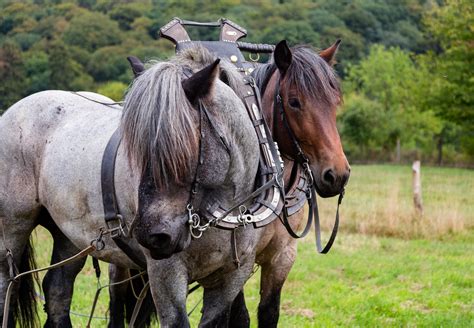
(417, 200)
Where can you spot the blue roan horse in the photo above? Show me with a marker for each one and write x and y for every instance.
(51, 146)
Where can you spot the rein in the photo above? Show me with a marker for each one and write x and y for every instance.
(311, 194)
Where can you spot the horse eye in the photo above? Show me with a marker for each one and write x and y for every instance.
(295, 103)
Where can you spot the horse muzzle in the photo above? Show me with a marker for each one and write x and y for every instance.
(163, 242)
(330, 182)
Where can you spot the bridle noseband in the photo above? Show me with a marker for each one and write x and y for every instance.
(311, 194)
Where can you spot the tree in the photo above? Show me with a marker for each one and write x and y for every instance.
(11, 75)
(391, 79)
(450, 91)
(66, 73)
(109, 63)
(113, 90)
(362, 125)
(453, 26)
(92, 31)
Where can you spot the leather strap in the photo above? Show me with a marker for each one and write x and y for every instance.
(314, 212)
(113, 219)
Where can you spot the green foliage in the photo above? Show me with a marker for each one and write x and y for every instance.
(293, 31)
(92, 31)
(66, 73)
(38, 72)
(390, 79)
(11, 74)
(125, 15)
(108, 63)
(362, 124)
(419, 91)
(452, 91)
(113, 90)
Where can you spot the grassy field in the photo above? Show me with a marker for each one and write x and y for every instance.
(388, 267)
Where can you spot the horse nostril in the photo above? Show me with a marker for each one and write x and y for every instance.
(329, 177)
(160, 240)
(345, 178)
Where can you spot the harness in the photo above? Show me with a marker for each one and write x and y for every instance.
(303, 182)
(269, 194)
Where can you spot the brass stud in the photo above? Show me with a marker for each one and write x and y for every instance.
(233, 58)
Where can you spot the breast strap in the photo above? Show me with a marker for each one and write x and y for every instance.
(113, 219)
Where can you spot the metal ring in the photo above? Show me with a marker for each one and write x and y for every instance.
(254, 59)
(195, 236)
(98, 243)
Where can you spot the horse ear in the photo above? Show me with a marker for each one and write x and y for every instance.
(282, 56)
(200, 84)
(137, 65)
(329, 54)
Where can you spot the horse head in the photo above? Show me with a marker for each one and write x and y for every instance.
(307, 96)
(186, 149)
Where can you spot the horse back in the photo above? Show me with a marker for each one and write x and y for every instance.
(29, 127)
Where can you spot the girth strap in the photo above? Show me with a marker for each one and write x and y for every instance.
(113, 220)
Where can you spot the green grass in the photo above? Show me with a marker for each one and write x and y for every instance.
(425, 278)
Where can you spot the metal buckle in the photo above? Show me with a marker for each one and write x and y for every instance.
(279, 99)
(119, 230)
(308, 173)
(99, 243)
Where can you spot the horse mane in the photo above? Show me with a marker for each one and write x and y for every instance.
(198, 56)
(158, 124)
(308, 72)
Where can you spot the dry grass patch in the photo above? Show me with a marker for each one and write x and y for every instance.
(379, 202)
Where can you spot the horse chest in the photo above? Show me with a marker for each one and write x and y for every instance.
(208, 266)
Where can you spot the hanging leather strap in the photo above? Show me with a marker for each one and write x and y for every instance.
(314, 213)
(113, 219)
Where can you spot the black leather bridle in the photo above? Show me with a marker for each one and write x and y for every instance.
(311, 194)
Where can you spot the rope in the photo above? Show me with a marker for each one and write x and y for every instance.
(97, 293)
(194, 307)
(139, 303)
(42, 298)
(86, 251)
(133, 287)
(120, 103)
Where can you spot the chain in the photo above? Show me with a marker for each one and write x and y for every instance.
(194, 221)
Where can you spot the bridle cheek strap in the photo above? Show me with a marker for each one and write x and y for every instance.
(311, 194)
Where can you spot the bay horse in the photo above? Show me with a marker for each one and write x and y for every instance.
(310, 93)
(51, 146)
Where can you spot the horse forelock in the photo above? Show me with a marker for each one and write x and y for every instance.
(158, 125)
(310, 74)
